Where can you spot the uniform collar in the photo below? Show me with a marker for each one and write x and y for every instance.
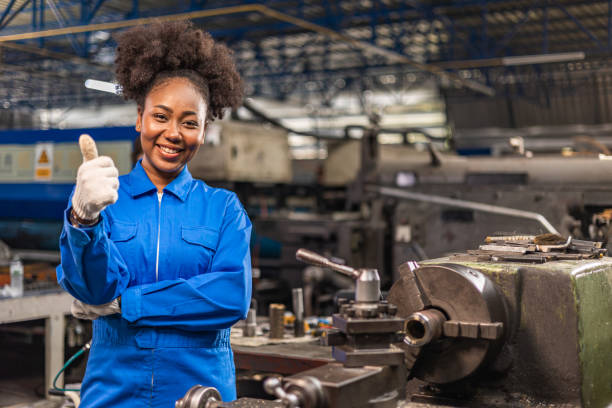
(140, 182)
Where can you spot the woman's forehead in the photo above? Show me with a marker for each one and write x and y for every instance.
(176, 92)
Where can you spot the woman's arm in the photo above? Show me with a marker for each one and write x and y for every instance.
(208, 301)
(92, 269)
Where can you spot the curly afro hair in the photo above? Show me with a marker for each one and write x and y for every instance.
(150, 55)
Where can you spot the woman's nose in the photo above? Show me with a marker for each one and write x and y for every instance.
(172, 132)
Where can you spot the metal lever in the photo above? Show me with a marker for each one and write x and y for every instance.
(313, 258)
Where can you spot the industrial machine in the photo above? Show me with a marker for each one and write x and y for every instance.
(435, 203)
(369, 371)
(513, 324)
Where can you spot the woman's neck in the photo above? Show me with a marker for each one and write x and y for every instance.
(159, 179)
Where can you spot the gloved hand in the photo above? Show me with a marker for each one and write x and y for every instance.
(96, 184)
(82, 310)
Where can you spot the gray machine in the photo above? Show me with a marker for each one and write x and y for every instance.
(517, 325)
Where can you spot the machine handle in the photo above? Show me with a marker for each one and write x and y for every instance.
(313, 258)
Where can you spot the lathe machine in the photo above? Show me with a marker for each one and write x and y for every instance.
(514, 325)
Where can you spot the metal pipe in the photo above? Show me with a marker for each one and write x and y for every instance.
(250, 325)
(472, 205)
(260, 8)
(312, 258)
(424, 327)
(298, 310)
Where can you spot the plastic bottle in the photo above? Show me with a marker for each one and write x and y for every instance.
(16, 270)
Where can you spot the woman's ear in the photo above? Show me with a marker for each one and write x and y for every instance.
(139, 120)
(204, 132)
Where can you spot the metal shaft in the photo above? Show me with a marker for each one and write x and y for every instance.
(298, 310)
(277, 325)
(313, 258)
(250, 327)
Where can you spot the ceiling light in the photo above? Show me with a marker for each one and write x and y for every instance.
(102, 86)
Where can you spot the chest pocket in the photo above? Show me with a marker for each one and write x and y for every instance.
(122, 234)
(200, 244)
(122, 231)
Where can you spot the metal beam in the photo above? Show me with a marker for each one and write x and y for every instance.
(7, 22)
(6, 11)
(60, 19)
(364, 46)
(51, 54)
(94, 10)
(579, 24)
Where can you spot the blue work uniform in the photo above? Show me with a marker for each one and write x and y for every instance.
(182, 266)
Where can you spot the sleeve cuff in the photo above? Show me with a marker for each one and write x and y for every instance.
(81, 236)
(131, 305)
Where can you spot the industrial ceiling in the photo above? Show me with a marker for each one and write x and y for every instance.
(300, 48)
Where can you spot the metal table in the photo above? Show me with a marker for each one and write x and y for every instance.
(51, 306)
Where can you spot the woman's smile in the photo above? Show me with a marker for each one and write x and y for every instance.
(168, 152)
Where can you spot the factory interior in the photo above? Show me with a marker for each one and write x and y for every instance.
(428, 183)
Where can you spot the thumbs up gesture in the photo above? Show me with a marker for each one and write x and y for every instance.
(96, 184)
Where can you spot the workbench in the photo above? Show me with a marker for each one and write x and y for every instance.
(51, 306)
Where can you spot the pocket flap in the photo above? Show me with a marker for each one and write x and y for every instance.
(206, 237)
(122, 231)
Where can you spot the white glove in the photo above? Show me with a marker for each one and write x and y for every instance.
(82, 310)
(96, 184)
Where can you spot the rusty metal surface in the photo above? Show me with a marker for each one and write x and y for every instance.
(282, 358)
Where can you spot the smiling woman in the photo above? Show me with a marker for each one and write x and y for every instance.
(169, 261)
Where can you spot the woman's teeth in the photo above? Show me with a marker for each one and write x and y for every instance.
(168, 150)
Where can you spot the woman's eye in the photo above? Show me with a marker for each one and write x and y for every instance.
(191, 124)
(159, 116)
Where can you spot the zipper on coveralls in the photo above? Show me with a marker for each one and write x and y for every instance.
(159, 199)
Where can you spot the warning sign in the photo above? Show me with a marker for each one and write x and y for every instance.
(43, 161)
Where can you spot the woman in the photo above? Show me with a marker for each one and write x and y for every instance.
(165, 256)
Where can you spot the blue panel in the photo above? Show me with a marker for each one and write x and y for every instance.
(127, 133)
(34, 200)
(475, 151)
(29, 234)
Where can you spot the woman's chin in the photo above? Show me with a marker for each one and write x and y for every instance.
(163, 168)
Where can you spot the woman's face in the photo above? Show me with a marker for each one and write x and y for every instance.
(171, 125)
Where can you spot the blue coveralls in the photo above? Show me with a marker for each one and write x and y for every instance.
(182, 267)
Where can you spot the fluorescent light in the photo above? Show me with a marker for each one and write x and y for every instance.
(102, 86)
(543, 59)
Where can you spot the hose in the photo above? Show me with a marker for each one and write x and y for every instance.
(83, 349)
